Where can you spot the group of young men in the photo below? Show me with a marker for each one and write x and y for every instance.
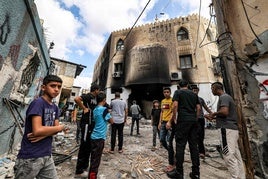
(182, 114)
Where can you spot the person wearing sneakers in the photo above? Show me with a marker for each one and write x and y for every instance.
(155, 117)
(87, 102)
(119, 113)
(186, 108)
(165, 116)
(101, 116)
(226, 122)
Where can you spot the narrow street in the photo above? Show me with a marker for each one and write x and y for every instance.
(138, 161)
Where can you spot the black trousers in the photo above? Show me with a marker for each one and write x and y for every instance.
(96, 153)
(117, 128)
(187, 132)
(137, 120)
(201, 135)
(171, 157)
(84, 150)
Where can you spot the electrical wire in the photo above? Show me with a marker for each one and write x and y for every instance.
(254, 8)
(199, 17)
(200, 45)
(258, 39)
(133, 26)
(206, 32)
(166, 6)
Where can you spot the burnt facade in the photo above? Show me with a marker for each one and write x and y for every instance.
(139, 62)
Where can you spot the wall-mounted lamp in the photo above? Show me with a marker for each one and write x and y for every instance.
(51, 46)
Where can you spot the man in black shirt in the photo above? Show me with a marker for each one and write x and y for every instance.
(187, 107)
(87, 102)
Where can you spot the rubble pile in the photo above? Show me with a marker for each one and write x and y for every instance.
(136, 161)
(64, 146)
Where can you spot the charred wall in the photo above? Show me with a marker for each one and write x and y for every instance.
(147, 65)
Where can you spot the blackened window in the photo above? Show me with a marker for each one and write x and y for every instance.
(186, 61)
(118, 67)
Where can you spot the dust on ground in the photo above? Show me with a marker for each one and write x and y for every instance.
(137, 159)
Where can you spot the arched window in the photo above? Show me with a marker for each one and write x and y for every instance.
(182, 34)
(120, 45)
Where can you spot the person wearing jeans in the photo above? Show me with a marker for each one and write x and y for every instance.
(135, 112)
(119, 113)
(165, 116)
(155, 117)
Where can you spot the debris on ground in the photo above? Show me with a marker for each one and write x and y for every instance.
(137, 161)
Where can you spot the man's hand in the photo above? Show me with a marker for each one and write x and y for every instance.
(159, 126)
(33, 138)
(209, 116)
(168, 125)
(86, 110)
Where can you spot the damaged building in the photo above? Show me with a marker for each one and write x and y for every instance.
(139, 62)
(243, 51)
(24, 62)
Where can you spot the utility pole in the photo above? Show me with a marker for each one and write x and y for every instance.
(235, 32)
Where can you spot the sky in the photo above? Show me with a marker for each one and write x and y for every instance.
(80, 28)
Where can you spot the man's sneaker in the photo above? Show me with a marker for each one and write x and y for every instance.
(174, 174)
(81, 175)
(218, 148)
(194, 176)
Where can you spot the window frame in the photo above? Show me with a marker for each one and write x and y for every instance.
(186, 59)
(182, 34)
(120, 45)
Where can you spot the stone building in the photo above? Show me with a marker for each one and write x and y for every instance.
(139, 62)
(24, 62)
(67, 71)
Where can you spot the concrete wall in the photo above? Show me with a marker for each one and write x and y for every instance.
(244, 24)
(24, 61)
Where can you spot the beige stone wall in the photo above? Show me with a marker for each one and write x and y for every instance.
(165, 34)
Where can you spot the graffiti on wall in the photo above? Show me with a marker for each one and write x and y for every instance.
(14, 54)
(4, 30)
(264, 97)
(14, 49)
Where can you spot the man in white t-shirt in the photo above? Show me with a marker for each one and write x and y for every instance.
(119, 113)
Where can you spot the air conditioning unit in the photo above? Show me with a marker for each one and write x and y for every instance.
(116, 74)
(175, 76)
